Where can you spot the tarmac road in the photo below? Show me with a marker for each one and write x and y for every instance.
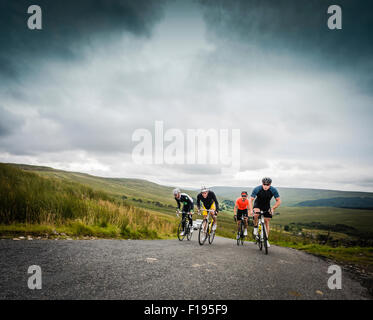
(166, 269)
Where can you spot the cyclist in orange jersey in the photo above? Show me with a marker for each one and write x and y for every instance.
(241, 211)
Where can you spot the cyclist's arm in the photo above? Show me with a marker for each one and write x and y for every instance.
(198, 202)
(235, 209)
(178, 203)
(216, 202)
(277, 204)
(251, 199)
(190, 202)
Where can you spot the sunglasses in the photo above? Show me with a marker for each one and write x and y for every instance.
(243, 196)
(265, 184)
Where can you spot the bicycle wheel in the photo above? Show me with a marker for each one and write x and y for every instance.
(242, 232)
(211, 235)
(259, 238)
(202, 234)
(265, 240)
(189, 234)
(179, 230)
(239, 234)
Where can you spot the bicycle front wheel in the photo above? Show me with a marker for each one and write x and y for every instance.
(202, 235)
(242, 232)
(189, 234)
(179, 230)
(211, 236)
(265, 239)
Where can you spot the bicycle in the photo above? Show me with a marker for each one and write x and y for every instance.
(205, 229)
(241, 239)
(261, 238)
(184, 226)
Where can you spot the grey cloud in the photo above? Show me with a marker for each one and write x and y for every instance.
(299, 28)
(67, 27)
(9, 122)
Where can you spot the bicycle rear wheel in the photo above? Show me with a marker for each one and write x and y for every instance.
(203, 231)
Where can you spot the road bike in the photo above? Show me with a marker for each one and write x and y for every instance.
(240, 233)
(184, 226)
(262, 237)
(205, 229)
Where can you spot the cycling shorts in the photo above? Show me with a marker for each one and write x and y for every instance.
(266, 214)
(204, 210)
(242, 214)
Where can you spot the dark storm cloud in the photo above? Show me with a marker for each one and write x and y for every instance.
(67, 25)
(300, 28)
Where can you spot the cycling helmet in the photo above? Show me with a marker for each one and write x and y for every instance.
(204, 189)
(244, 193)
(266, 180)
(176, 191)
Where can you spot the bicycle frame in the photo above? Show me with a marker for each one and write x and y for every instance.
(207, 224)
(184, 225)
(262, 236)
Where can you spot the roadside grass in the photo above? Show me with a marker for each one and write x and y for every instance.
(31, 203)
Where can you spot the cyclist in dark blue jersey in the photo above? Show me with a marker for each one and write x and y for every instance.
(262, 196)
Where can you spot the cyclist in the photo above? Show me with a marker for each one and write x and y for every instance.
(263, 195)
(209, 202)
(241, 211)
(188, 206)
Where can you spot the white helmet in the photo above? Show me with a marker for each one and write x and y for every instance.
(176, 191)
(204, 189)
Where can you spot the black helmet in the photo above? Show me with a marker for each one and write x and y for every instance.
(266, 180)
(244, 193)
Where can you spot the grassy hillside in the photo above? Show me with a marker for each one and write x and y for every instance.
(47, 203)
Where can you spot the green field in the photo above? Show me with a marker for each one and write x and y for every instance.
(362, 220)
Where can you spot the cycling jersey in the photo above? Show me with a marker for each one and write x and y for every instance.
(208, 201)
(187, 202)
(242, 205)
(263, 197)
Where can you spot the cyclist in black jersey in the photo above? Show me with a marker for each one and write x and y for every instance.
(209, 202)
(188, 206)
(262, 195)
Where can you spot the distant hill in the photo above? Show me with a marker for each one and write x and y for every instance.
(355, 202)
(295, 196)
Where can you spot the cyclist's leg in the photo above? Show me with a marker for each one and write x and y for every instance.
(239, 218)
(256, 216)
(204, 213)
(186, 209)
(245, 216)
(184, 214)
(214, 216)
(190, 220)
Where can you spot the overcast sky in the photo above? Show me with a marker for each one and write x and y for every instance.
(73, 93)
